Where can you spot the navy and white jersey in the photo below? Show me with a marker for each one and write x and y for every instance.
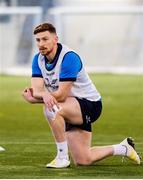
(66, 66)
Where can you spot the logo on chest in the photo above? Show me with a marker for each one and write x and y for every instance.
(51, 83)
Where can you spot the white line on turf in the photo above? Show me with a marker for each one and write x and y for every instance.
(29, 142)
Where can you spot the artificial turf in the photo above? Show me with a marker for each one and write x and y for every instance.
(29, 144)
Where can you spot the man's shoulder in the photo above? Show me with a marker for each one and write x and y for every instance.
(35, 57)
(72, 56)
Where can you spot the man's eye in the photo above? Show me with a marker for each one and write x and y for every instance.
(38, 40)
(45, 39)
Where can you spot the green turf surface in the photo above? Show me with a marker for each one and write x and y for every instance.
(25, 134)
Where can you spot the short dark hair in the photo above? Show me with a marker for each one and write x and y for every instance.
(44, 27)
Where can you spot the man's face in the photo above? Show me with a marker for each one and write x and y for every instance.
(46, 42)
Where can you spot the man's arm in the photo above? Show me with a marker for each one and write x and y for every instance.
(28, 96)
(37, 84)
(38, 94)
(57, 96)
(34, 93)
(63, 91)
(50, 99)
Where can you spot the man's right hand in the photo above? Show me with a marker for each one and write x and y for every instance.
(28, 96)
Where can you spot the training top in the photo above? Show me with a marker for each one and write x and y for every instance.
(66, 66)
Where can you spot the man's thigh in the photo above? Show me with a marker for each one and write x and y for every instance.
(79, 142)
(71, 111)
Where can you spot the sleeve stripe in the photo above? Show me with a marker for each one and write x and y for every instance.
(37, 75)
(67, 79)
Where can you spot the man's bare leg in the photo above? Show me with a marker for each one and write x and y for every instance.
(58, 125)
(79, 142)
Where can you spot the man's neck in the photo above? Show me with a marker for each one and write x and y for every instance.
(52, 54)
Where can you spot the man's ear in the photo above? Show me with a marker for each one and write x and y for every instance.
(57, 38)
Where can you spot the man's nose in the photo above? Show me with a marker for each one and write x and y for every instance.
(41, 44)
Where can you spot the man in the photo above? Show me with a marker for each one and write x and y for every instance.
(71, 102)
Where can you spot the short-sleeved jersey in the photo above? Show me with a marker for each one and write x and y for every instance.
(66, 66)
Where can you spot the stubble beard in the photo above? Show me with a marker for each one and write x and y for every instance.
(46, 52)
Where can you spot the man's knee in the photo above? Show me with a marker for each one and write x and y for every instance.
(87, 160)
(51, 115)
